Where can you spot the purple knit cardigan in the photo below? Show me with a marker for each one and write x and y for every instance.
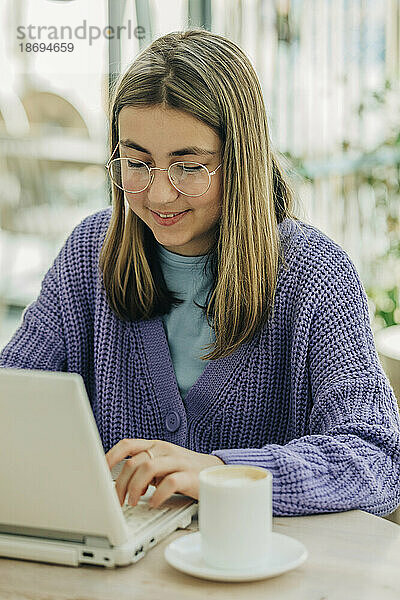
(306, 399)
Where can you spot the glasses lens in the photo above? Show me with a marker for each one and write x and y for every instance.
(130, 175)
(190, 178)
(133, 176)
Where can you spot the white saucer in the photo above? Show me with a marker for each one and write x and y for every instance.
(184, 554)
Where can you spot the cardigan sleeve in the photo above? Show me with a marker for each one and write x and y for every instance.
(38, 343)
(350, 455)
(55, 333)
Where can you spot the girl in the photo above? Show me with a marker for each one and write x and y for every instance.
(201, 250)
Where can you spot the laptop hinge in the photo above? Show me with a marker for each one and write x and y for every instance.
(97, 541)
(50, 534)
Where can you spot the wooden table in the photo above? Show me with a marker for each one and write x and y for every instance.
(352, 556)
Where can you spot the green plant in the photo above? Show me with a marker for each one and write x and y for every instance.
(379, 169)
(385, 180)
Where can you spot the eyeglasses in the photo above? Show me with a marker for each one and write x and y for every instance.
(134, 176)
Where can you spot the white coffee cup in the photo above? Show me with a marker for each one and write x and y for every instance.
(235, 515)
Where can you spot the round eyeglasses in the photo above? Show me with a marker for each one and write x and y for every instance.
(134, 176)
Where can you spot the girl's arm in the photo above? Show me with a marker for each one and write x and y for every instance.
(38, 343)
(350, 457)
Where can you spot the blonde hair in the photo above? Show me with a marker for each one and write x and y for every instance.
(209, 77)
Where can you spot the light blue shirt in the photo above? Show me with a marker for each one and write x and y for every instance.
(186, 326)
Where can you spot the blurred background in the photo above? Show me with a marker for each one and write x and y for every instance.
(329, 70)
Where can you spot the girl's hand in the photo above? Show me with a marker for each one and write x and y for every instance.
(173, 470)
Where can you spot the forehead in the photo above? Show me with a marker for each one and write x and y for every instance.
(159, 129)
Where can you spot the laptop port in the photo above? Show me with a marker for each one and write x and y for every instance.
(139, 550)
(90, 554)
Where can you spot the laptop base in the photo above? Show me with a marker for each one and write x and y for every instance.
(74, 554)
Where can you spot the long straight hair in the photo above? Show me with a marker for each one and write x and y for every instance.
(209, 77)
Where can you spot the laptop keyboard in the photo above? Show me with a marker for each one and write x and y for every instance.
(141, 515)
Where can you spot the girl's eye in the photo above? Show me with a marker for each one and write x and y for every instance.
(134, 164)
(190, 169)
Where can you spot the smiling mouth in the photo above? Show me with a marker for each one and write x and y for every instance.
(169, 214)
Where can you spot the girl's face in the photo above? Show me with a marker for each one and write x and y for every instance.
(157, 136)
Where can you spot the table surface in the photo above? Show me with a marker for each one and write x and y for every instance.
(352, 556)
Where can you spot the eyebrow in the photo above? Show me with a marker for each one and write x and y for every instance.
(181, 152)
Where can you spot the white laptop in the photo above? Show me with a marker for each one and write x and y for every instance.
(57, 498)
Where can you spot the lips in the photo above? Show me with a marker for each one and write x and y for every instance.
(169, 220)
(170, 214)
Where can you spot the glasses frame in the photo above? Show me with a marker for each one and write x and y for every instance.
(151, 175)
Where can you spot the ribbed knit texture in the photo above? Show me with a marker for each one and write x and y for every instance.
(307, 399)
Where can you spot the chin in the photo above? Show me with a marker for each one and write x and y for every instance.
(165, 241)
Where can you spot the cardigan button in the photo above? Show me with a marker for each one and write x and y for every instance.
(172, 421)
